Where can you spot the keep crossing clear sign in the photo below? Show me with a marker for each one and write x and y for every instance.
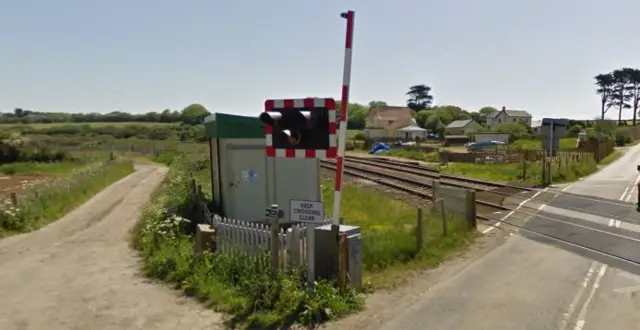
(306, 211)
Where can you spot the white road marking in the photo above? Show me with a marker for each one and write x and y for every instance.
(582, 316)
(497, 224)
(629, 289)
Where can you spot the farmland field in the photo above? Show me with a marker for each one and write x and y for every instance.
(16, 177)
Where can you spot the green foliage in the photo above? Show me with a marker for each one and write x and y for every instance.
(194, 114)
(574, 130)
(49, 200)
(234, 283)
(139, 131)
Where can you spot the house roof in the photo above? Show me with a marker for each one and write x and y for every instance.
(393, 117)
(412, 128)
(517, 113)
(510, 113)
(390, 113)
(459, 123)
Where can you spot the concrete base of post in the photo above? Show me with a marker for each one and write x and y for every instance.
(205, 238)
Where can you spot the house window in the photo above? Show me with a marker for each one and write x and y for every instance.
(499, 120)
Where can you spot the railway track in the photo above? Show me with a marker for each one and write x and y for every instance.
(383, 165)
(432, 172)
(411, 185)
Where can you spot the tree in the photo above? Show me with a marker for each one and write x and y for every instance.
(377, 104)
(478, 117)
(420, 97)
(634, 86)
(487, 110)
(605, 83)
(357, 115)
(194, 114)
(620, 96)
(421, 118)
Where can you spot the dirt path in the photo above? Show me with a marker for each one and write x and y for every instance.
(79, 272)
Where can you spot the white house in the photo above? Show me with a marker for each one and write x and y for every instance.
(506, 116)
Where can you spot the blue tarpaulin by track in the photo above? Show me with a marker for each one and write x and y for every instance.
(379, 148)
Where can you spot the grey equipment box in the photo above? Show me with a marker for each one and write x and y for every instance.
(326, 253)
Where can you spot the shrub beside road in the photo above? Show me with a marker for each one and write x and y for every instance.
(235, 284)
(37, 205)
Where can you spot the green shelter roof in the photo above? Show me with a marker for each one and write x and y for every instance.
(228, 126)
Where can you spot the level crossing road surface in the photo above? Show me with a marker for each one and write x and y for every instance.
(573, 265)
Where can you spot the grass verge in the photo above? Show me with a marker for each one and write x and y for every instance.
(433, 157)
(53, 168)
(390, 252)
(42, 204)
(231, 283)
(566, 143)
(531, 172)
(612, 157)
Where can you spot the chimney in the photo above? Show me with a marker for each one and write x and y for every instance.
(504, 108)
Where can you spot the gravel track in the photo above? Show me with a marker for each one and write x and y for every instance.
(80, 273)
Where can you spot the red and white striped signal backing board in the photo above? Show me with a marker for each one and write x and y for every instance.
(300, 105)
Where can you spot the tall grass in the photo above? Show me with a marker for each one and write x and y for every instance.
(235, 284)
(389, 232)
(42, 204)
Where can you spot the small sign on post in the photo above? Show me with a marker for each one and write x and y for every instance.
(306, 211)
(311, 213)
(272, 213)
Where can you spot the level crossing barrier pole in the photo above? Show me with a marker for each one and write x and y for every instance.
(344, 103)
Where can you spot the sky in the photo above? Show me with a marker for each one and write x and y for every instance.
(230, 56)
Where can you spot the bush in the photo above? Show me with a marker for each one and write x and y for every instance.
(233, 283)
(622, 140)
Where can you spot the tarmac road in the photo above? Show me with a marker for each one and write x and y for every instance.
(549, 282)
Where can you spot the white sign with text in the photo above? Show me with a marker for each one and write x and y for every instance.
(306, 211)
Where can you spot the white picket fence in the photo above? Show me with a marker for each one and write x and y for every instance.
(253, 238)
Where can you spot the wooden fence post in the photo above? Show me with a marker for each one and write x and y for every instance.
(419, 230)
(445, 224)
(275, 245)
(470, 203)
(14, 199)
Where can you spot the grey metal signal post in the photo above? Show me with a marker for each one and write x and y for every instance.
(274, 214)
